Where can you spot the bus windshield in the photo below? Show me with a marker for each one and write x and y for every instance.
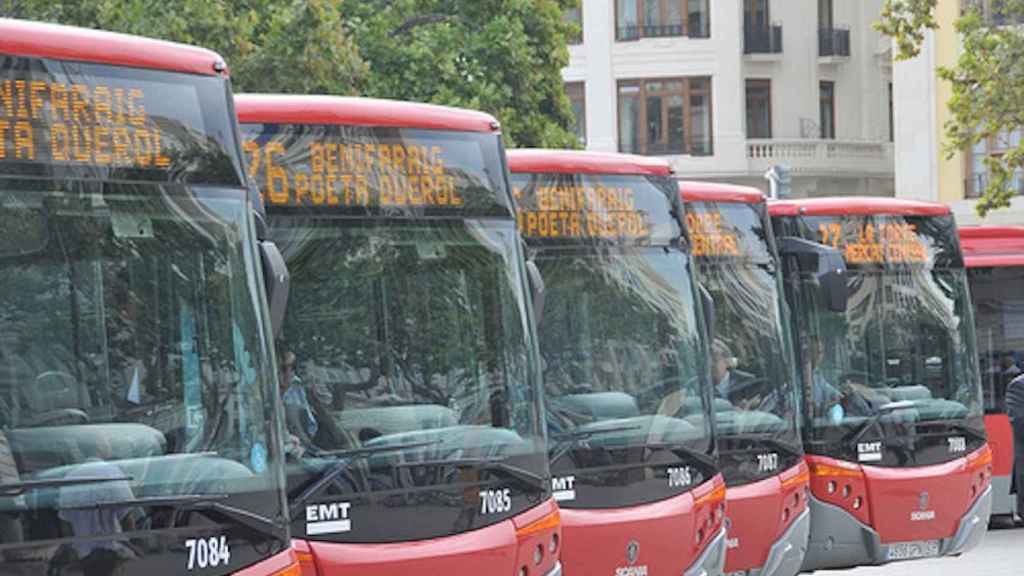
(756, 406)
(135, 377)
(895, 374)
(411, 370)
(999, 316)
(619, 338)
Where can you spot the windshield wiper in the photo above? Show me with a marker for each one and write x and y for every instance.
(209, 504)
(677, 448)
(347, 457)
(781, 445)
(12, 489)
(958, 427)
(874, 419)
(498, 466)
(566, 441)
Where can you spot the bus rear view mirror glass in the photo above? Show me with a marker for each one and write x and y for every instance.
(278, 281)
(708, 305)
(25, 230)
(827, 266)
(536, 280)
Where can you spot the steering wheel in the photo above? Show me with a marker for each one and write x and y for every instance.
(75, 415)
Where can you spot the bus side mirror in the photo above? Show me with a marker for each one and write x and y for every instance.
(707, 303)
(827, 265)
(278, 281)
(536, 281)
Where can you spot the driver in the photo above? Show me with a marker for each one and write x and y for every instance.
(727, 378)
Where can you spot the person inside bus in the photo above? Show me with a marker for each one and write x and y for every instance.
(829, 401)
(1008, 367)
(1015, 411)
(727, 378)
(78, 508)
(307, 413)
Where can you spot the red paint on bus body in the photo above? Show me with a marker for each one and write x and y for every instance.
(596, 540)
(904, 504)
(714, 192)
(537, 161)
(501, 548)
(760, 513)
(41, 40)
(344, 111)
(992, 246)
(1000, 439)
(856, 206)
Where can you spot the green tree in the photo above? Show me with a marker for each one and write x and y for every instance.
(501, 56)
(987, 80)
(294, 46)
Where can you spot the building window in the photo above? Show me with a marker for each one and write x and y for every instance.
(760, 36)
(665, 116)
(759, 108)
(827, 110)
(994, 12)
(635, 19)
(575, 16)
(576, 92)
(977, 177)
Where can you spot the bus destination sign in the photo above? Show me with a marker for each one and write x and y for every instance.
(875, 243)
(710, 237)
(354, 168)
(566, 208)
(89, 116)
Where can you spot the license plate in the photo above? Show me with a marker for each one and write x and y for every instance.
(909, 550)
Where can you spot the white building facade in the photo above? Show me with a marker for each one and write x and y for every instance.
(725, 89)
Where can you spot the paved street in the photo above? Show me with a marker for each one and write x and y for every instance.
(1002, 554)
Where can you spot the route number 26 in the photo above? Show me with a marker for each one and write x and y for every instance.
(207, 552)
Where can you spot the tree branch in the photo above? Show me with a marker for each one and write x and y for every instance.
(418, 21)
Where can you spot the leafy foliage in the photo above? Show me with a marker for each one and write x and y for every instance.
(501, 56)
(987, 81)
(272, 45)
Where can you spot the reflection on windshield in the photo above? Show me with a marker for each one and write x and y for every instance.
(130, 358)
(619, 341)
(901, 351)
(401, 334)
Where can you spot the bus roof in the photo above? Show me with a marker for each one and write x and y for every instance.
(714, 192)
(22, 37)
(539, 161)
(347, 111)
(856, 206)
(992, 246)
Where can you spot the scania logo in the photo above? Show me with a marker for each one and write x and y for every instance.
(632, 551)
(922, 501)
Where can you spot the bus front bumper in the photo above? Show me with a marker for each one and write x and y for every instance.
(846, 542)
(712, 560)
(787, 554)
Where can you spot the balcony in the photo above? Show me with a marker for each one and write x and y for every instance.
(762, 39)
(833, 43)
(822, 157)
(633, 32)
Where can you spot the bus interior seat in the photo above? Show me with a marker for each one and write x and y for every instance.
(367, 423)
(601, 405)
(913, 392)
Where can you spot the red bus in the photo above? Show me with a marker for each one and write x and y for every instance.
(757, 408)
(885, 344)
(412, 384)
(625, 372)
(995, 267)
(138, 421)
